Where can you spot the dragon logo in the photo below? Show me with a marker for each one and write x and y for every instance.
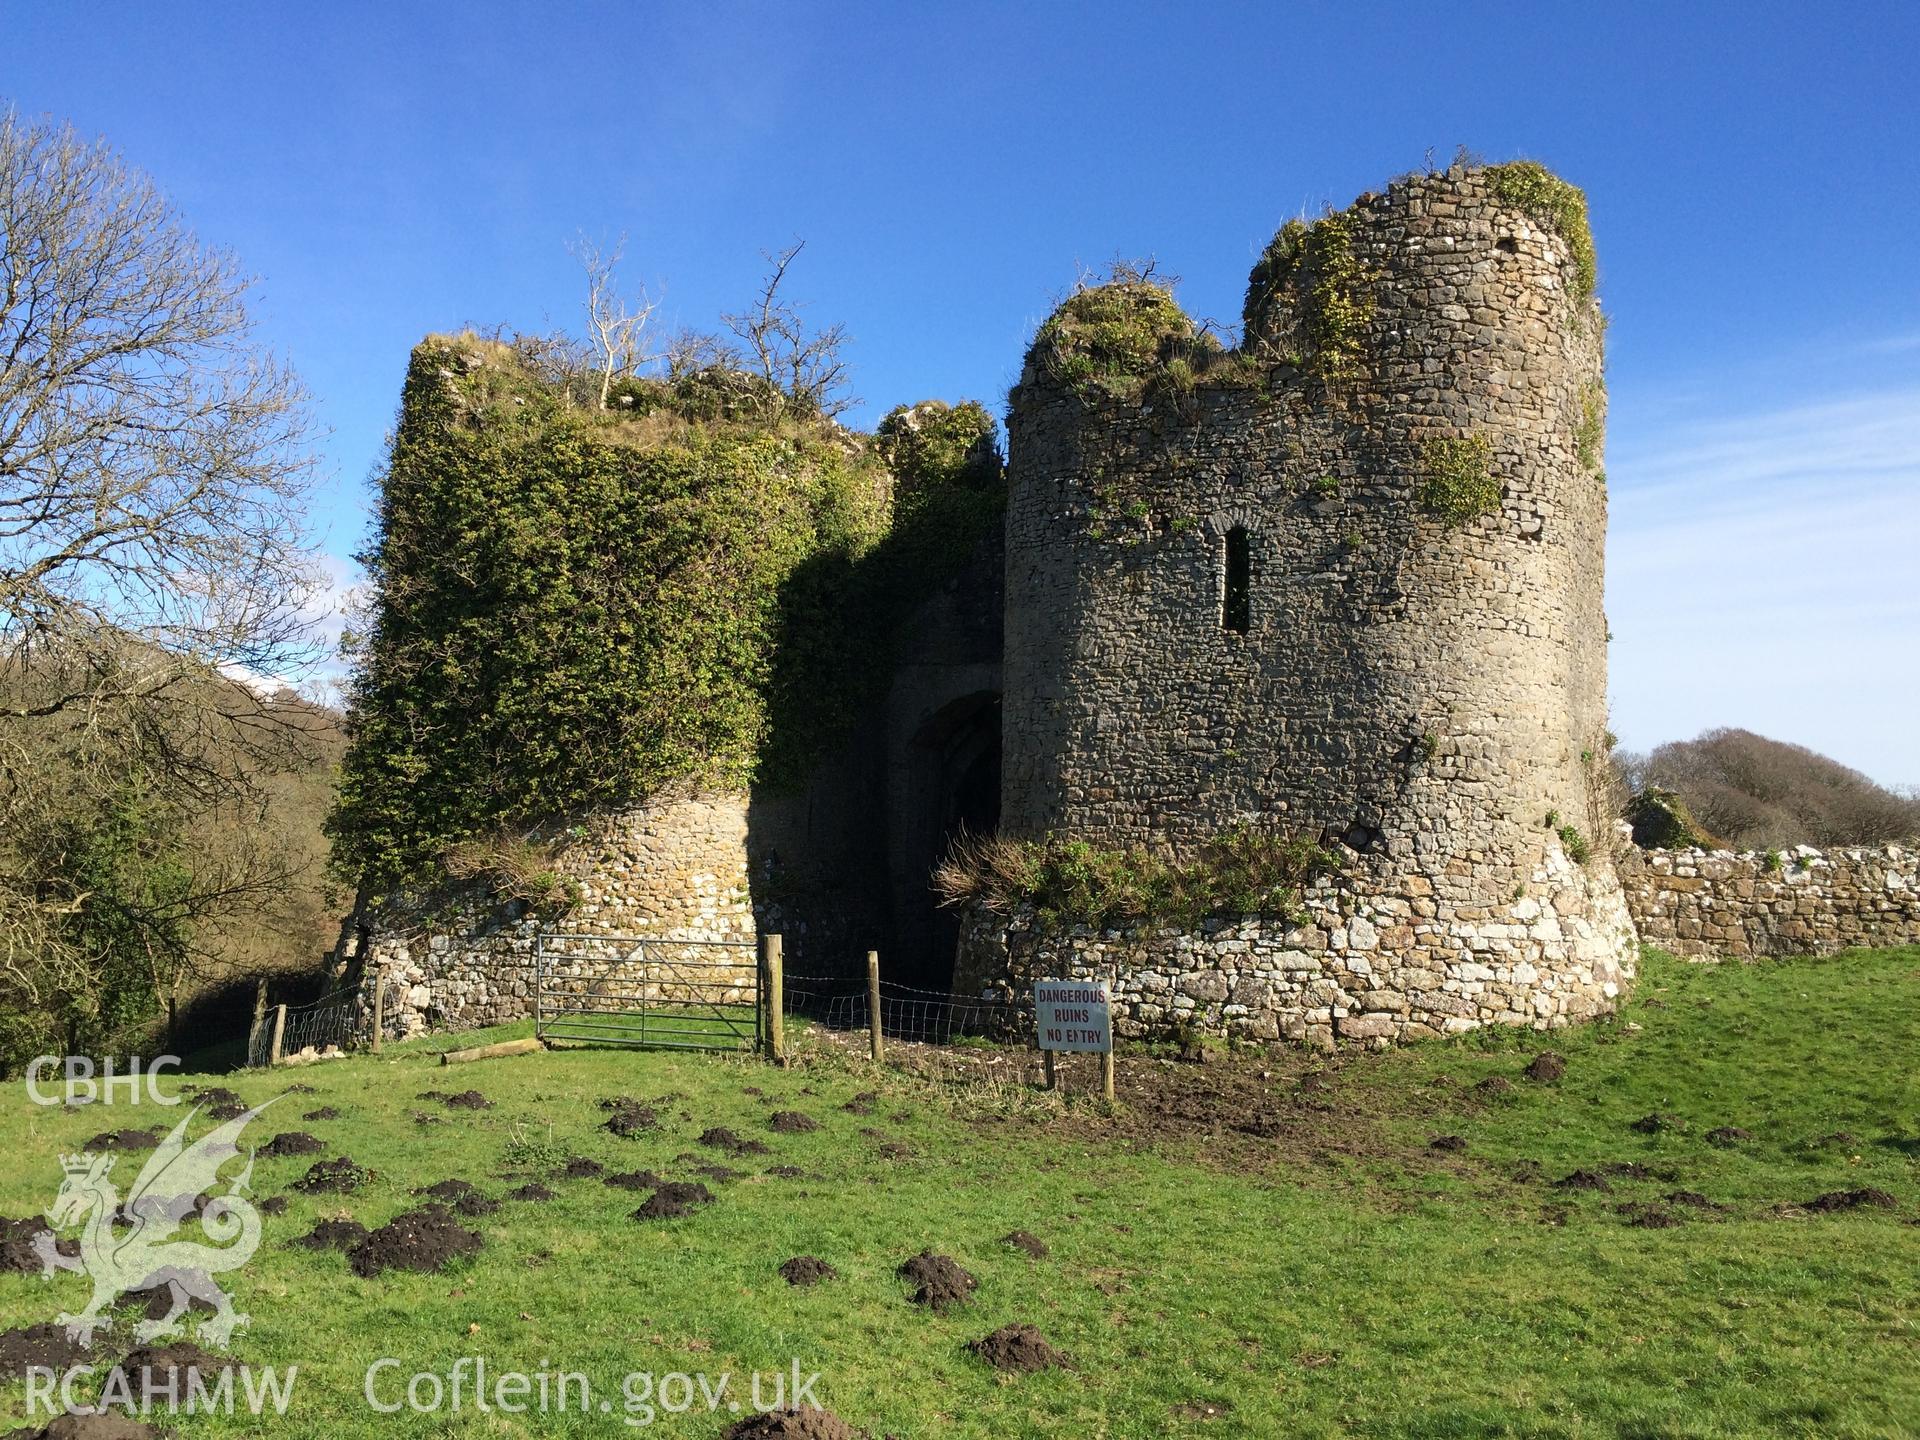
(135, 1245)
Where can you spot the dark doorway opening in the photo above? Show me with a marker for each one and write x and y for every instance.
(952, 785)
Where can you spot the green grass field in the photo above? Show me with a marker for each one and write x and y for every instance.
(1320, 1271)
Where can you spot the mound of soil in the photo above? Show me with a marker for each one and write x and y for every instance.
(301, 1089)
(1727, 1136)
(274, 1205)
(155, 1303)
(718, 1173)
(123, 1140)
(1691, 1198)
(332, 1177)
(634, 1180)
(293, 1142)
(1451, 1143)
(466, 1100)
(19, 1245)
(1649, 1217)
(155, 1368)
(217, 1095)
(1019, 1348)
(894, 1150)
(939, 1282)
(450, 1191)
(230, 1110)
(1852, 1200)
(806, 1423)
(44, 1345)
(628, 1117)
(1493, 1085)
(1582, 1180)
(341, 1234)
(1547, 1065)
(109, 1425)
(786, 1172)
(1658, 1123)
(807, 1270)
(791, 1122)
(673, 1201)
(721, 1138)
(325, 1112)
(533, 1192)
(423, 1239)
(1022, 1240)
(865, 1103)
(579, 1167)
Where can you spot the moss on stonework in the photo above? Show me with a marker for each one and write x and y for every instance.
(1556, 204)
(1113, 338)
(1067, 883)
(1590, 428)
(1459, 483)
(1662, 821)
(1309, 299)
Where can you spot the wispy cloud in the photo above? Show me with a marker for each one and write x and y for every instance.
(1762, 573)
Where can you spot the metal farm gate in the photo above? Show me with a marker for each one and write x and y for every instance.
(647, 991)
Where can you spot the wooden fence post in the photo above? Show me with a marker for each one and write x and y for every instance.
(1046, 1060)
(775, 997)
(379, 1011)
(279, 1030)
(876, 1041)
(1106, 1072)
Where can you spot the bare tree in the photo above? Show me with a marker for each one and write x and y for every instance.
(809, 367)
(154, 460)
(617, 327)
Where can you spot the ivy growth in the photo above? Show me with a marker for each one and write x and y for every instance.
(1112, 338)
(576, 608)
(1309, 299)
(1459, 483)
(1244, 871)
(1590, 428)
(1553, 203)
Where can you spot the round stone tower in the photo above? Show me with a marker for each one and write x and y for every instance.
(1344, 582)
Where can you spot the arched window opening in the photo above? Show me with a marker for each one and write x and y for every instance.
(1236, 610)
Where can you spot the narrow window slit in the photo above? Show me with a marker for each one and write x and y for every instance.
(1236, 610)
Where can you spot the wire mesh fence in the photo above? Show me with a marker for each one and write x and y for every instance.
(317, 1024)
(929, 1017)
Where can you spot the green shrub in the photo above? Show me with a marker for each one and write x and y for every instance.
(1244, 871)
(1590, 429)
(1575, 844)
(1459, 484)
(1309, 299)
(1553, 203)
(1111, 338)
(934, 443)
(1661, 820)
(575, 609)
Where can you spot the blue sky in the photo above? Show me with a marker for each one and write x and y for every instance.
(394, 169)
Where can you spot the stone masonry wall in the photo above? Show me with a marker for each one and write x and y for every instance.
(1377, 957)
(1811, 902)
(1431, 695)
(673, 868)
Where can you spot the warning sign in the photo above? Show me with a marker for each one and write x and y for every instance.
(1073, 1015)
